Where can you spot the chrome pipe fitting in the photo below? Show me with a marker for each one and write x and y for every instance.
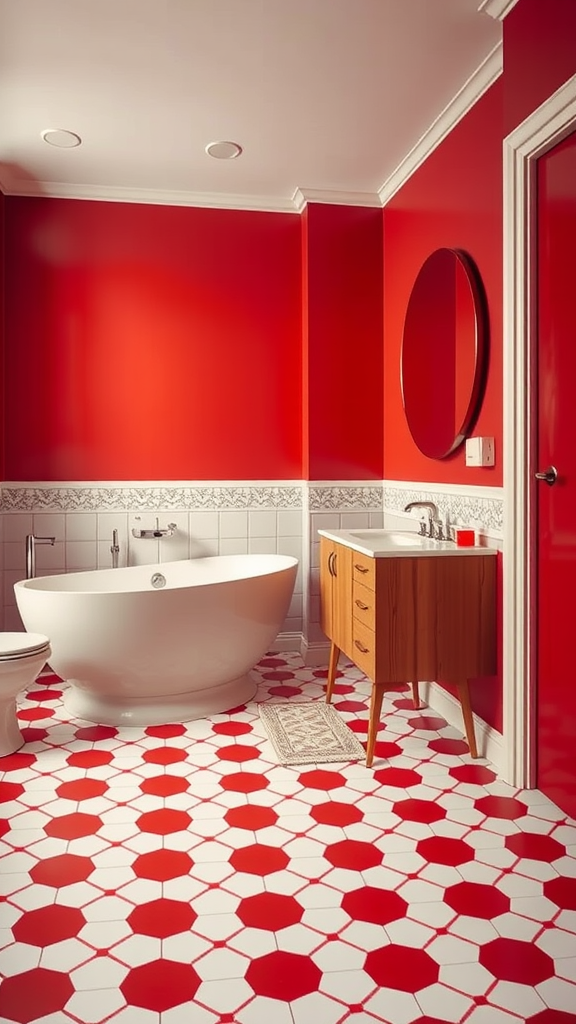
(31, 542)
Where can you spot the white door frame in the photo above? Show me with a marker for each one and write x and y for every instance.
(542, 130)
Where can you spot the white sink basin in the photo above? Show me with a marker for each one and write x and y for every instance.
(399, 543)
(390, 538)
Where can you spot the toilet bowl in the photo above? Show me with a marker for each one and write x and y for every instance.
(22, 657)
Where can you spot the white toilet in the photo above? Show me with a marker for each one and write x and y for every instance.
(22, 658)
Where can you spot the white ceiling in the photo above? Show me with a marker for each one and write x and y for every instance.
(323, 95)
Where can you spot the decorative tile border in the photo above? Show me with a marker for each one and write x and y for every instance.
(466, 508)
(196, 498)
(344, 498)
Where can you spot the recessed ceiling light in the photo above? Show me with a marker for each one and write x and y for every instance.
(223, 150)
(61, 138)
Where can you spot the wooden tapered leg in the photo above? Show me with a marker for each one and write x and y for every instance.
(332, 666)
(375, 712)
(415, 695)
(464, 695)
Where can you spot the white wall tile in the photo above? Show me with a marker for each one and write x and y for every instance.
(233, 524)
(203, 548)
(354, 520)
(11, 576)
(262, 545)
(17, 525)
(81, 526)
(262, 524)
(50, 558)
(204, 525)
(81, 554)
(177, 546)
(12, 620)
(289, 523)
(15, 556)
(107, 522)
(49, 524)
(234, 546)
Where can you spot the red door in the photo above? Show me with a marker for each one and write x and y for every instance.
(556, 503)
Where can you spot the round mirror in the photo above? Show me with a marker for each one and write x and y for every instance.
(444, 352)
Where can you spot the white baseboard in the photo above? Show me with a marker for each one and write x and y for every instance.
(314, 654)
(288, 642)
(490, 742)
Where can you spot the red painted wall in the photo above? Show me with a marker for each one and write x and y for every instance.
(539, 54)
(343, 331)
(453, 200)
(151, 342)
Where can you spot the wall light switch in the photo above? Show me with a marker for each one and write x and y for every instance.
(480, 451)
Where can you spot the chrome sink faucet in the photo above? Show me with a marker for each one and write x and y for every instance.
(426, 529)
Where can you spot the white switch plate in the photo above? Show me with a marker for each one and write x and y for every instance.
(480, 451)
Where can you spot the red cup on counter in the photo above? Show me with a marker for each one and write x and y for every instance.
(464, 538)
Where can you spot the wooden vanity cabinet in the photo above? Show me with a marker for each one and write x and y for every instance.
(410, 618)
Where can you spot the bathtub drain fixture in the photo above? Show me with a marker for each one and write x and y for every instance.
(158, 580)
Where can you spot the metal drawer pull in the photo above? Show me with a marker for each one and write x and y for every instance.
(364, 607)
(360, 568)
(361, 647)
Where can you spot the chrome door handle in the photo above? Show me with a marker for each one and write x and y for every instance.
(549, 476)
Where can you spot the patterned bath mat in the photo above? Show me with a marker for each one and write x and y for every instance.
(303, 733)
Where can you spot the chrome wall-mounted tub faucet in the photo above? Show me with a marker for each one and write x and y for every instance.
(31, 542)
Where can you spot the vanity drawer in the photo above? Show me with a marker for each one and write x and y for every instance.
(364, 647)
(364, 569)
(364, 604)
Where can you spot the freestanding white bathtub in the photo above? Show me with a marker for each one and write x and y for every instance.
(151, 644)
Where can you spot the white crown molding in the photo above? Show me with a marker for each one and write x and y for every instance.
(463, 101)
(497, 9)
(303, 196)
(157, 197)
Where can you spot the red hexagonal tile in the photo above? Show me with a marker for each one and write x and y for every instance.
(472, 774)
(353, 854)
(428, 723)
(43, 695)
(164, 785)
(476, 900)
(164, 755)
(4, 827)
(251, 818)
(334, 813)
(259, 859)
(430, 1020)
(96, 732)
(501, 807)
(231, 728)
(350, 705)
(33, 994)
(165, 732)
(239, 753)
(320, 779)
(159, 985)
(278, 675)
(163, 822)
(65, 869)
(521, 962)
(283, 976)
(532, 846)
(35, 714)
(89, 758)
(285, 691)
(161, 865)
(73, 826)
(402, 967)
(386, 751)
(81, 789)
(47, 925)
(269, 911)
(33, 735)
(377, 906)
(424, 811)
(444, 850)
(403, 778)
(162, 918)
(16, 762)
(562, 892)
(10, 791)
(244, 782)
(552, 1017)
(358, 725)
(445, 746)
